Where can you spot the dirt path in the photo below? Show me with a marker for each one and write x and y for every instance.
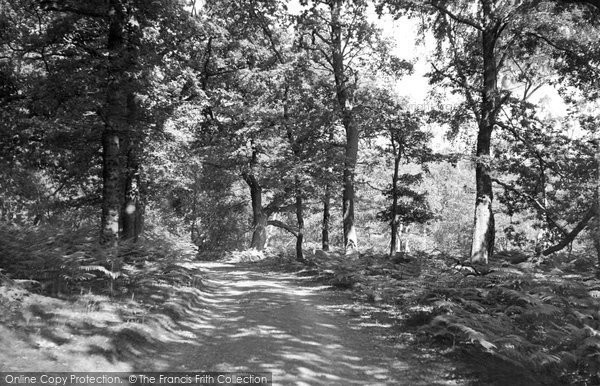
(229, 318)
(304, 334)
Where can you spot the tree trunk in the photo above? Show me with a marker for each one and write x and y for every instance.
(132, 211)
(300, 219)
(326, 216)
(350, 236)
(394, 222)
(596, 230)
(351, 150)
(116, 114)
(111, 189)
(482, 246)
(394, 238)
(259, 234)
(259, 217)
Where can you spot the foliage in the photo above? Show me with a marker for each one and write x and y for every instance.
(242, 97)
(60, 261)
(450, 198)
(412, 206)
(541, 322)
(552, 171)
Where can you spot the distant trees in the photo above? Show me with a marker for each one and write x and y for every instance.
(345, 43)
(283, 148)
(482, 46)
(406, 141)
(243, 128)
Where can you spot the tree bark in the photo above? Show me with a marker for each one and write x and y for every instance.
(394, 222)
(111, 189)
(596, 230)
(259, 217)
(351, 148)
(326, 217)
(116, 114)
(132, 210)
(300, 219)
(482, 246)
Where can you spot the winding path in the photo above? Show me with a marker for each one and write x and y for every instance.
(302, 333)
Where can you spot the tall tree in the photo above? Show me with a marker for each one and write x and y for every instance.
(344, 95)
(95, 69)
(339, 35)
(475, 40)
(116, 113)
(246, 119)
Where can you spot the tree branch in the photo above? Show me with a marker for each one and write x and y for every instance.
(455, 17)
(557, 46)
(568, 239)
(538, 205)
(462, 83)
(282, 225)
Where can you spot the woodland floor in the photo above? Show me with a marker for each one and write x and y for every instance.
(242, 317)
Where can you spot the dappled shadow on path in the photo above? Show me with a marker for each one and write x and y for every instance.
(237, 318)
(257, 321)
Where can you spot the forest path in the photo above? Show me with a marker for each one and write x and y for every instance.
(304, 334)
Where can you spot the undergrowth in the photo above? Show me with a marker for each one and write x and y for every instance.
(541, 318)
(66, 304)
(61, 262)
